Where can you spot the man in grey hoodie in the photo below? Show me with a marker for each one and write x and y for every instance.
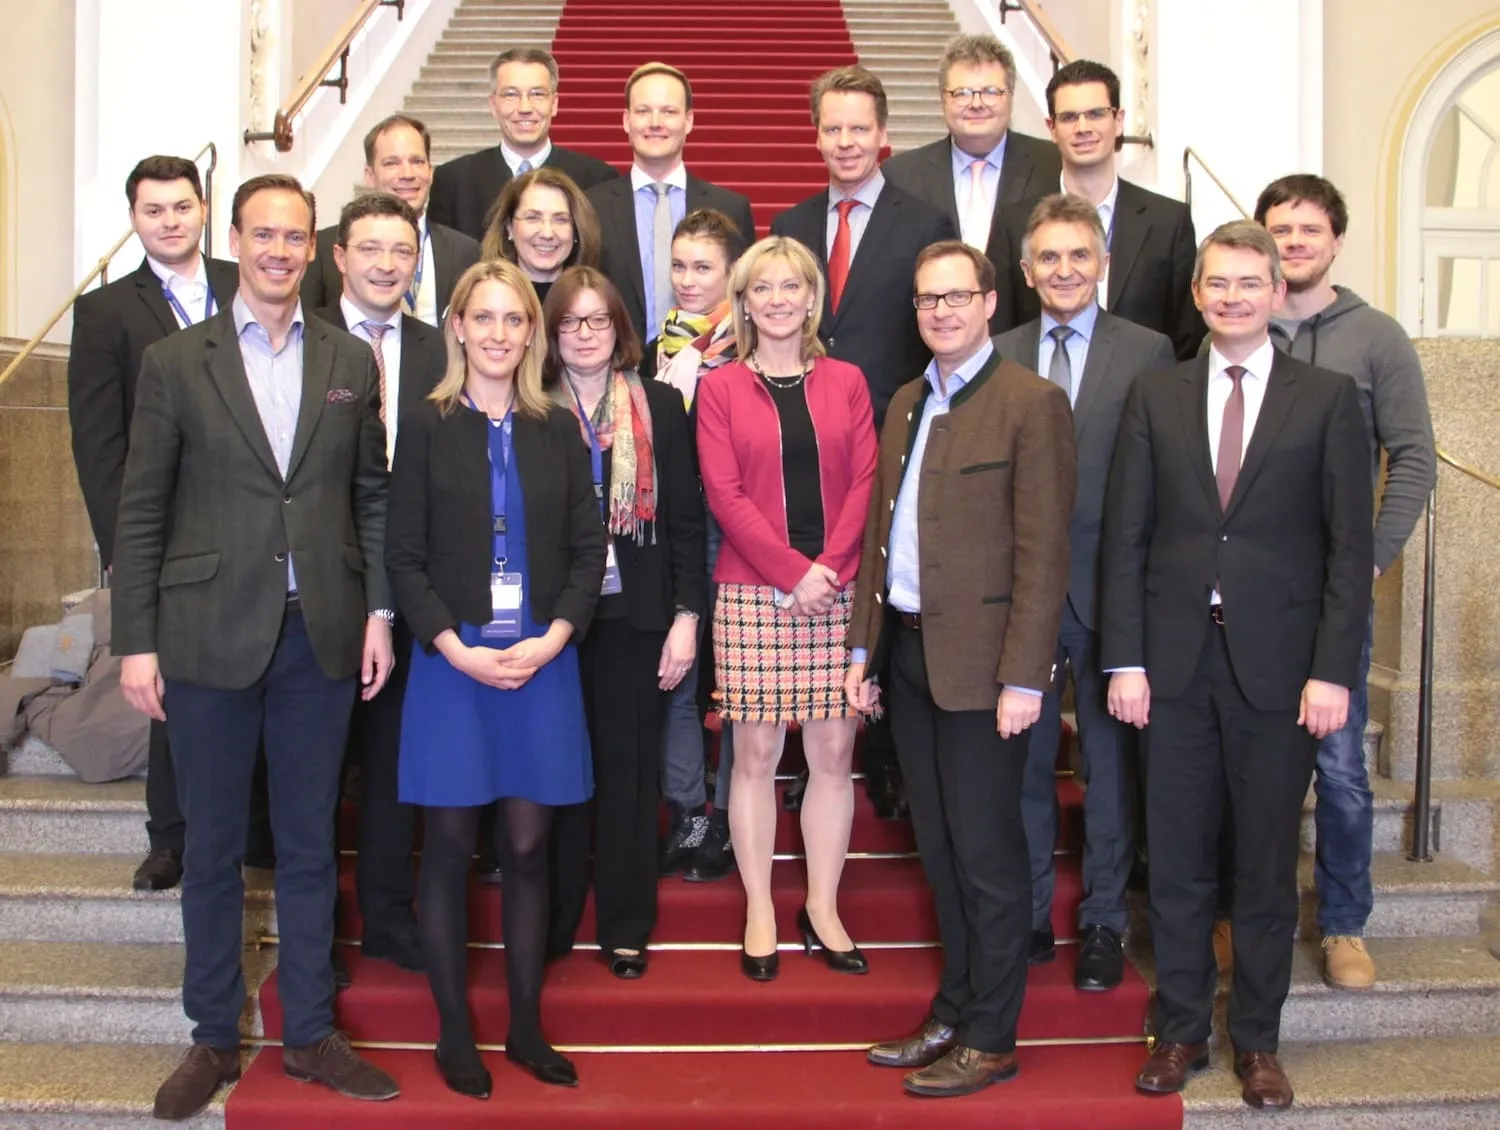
(1333, 328)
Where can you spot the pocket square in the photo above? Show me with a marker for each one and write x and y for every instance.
(342, 396)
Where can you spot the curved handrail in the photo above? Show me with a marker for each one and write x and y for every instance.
(1189, 155)
(335, 54)
(1057, 46)
(1473, 472)
(100, 269)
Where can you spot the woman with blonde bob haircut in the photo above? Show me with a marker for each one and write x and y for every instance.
(544, 224)
(497, 582)
(786, 444)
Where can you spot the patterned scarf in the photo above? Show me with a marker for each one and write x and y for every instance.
(622, 421)
(711, 338)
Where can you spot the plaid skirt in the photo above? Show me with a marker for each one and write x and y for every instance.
(774, 667)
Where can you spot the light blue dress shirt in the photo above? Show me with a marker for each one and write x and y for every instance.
(963, 182)
(645, 232)
(275, 377)
(1077, 345)
(859, 218)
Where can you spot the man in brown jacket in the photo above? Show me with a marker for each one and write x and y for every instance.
(961, 581)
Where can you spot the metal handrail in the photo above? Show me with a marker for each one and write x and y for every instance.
(100, 269)
(1421, 837)
(335, 54)
(1189, 155)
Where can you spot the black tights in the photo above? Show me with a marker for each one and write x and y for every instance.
(443, 919)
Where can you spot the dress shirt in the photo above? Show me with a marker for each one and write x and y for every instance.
(191, 293)
(1257, 370)
(859, 218)
(514, 159)
(427, 301)
(390, 356)
(1077, 345)
(275, 377)
(1106, 210)
(645, 230)
(963, 179)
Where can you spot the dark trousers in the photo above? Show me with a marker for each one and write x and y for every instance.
(963, 782)
(386, 827)
(625, 707)
(164, 823)
(1108, 843)
(1207, 749)
(215, 734)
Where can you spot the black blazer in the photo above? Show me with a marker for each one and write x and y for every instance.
(1150, 267)
(876, 325)
(620, 249)
(1032, 168)
(112, 327)
(424, 359)
(1292, 556)
(453, 253)
(466, 188)
(207, 519)
(438, 532)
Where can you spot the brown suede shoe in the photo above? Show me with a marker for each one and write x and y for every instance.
(1169, 1067)
(335, 1064)
(926, 1045)
(200, 1074)
(1266, 1085)
(961, 1072)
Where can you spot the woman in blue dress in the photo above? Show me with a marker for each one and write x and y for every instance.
(496, 557)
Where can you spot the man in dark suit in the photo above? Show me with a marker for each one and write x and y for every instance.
(982, 164)
(1238, 551)
(250, 595)
(1095, 357)
(1149, 237)
(398, 154)
(867, 233)
(639, 213)
(174, 286)
(523, 100)
(376, 252)
(978, 454)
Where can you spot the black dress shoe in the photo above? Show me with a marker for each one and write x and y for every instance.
(840, 961)
(554, 1069)
(625, 966)
(1043, 947)
(888, 793)
(1101, 960)
(689, 826)
(714, 858)
(791, 800)
(487, 870)
(161, 870)
(464, 1072)
(341, 978)
(401, 948)
(760, 968)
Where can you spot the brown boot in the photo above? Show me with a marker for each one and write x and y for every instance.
(1266, 1085)
(200, 1074)
(926, 1045)
(1169, 1067)
(961, 1072)
(336, 1065)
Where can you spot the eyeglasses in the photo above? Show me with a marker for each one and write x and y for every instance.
(403, 253)
(572, 323)
(954, 299)
(986, 94)
(1093, 117)
(1249, 288)
(510, 96)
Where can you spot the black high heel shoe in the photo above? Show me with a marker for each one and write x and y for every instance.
(626, 966)
(469, 1076)
(760, 968)
(840, 961)
(560, 1072)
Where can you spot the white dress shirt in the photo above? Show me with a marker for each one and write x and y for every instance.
(390, 353)
(975, 216)
(514, 159)
(191, 293)
(1257, 372)
(426, 306)
(1106, 210)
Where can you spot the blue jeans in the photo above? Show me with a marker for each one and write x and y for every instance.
(1345, 816)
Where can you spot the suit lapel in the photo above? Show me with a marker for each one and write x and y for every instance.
(622, 215)
(317, 372)
(940, 187)
(1131, 228)
(1015, 176)
(1281, 394)
(148, 286)
(442, 268)
(872, 246)
(1193, 401)
(1096, 368)
(417, 349)
(226, 368)
(224, 281)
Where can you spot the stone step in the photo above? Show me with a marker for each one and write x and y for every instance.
(63, 814)
(91, 1087)
(1441, 898)
(1449, 1083)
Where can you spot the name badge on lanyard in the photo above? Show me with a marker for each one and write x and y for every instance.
(181, 311)
(416, 278)
(506, 588)
(611, 584)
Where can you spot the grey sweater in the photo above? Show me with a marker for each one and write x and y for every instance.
(1349, 336)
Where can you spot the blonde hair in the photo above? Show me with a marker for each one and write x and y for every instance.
(530, 399)
(801, 260)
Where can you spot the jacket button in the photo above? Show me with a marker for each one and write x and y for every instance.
(281, 557)
(286, 498)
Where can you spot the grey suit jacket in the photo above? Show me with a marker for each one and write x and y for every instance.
(207, 520)
(1119, 352)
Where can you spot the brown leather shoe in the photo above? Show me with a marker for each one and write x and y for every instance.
(335, 1064)
(1169, 1067)
(1266, 1085)
(926, 1045)
(962, 1072)
(200, 1074)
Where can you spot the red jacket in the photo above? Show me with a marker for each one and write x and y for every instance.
(739, 453)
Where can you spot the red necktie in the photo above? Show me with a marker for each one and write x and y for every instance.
(838, 258)
(1231, 437)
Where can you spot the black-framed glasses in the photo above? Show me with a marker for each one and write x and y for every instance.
(1093, 116)
(572, 323)
(985, 94)
(953, 299)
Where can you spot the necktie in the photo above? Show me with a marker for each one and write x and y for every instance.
(377, 332)
(977, 216)
(661, 257)
(1231, 437)
(1060, 368)
(838, 258)
(524, 166)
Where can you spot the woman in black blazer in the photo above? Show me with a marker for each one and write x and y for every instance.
(644, 635)
(495, 555)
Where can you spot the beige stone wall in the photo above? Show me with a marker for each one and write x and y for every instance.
(311, 25)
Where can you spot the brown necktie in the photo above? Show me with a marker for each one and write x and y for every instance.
(377, 332)
(1231, 437)
(838, 258)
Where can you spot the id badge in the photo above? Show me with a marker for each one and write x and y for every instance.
(611, 572)
(505, 603)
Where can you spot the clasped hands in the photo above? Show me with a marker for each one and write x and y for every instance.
(814, 594)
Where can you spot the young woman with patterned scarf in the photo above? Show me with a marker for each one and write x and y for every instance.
(644, 635)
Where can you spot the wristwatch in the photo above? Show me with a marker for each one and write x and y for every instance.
(385, 614)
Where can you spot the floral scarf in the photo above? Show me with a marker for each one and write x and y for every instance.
(622, 421)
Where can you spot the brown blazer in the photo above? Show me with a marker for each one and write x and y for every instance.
(997, 496)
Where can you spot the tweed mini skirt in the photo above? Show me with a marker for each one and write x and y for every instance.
(775, 667)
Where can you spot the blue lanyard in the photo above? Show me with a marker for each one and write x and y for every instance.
(501, 447)
(416, 279)
(177, 307)
(596, 454)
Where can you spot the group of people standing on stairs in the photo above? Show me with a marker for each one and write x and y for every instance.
(553, 429)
